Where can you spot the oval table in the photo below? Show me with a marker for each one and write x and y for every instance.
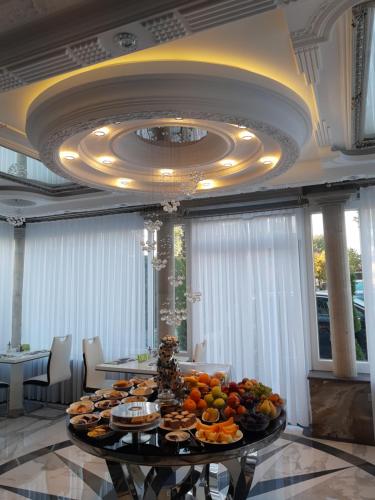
(179, 470)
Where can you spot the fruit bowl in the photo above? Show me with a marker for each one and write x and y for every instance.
(210, 416)
(254, 422)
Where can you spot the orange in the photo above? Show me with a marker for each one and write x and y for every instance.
(189, 405)
(241, 410)
(204, 378)
(195, 395)
(201, 404)
(214, 381)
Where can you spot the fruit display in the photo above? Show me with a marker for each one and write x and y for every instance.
(221, 433)
(249, 402)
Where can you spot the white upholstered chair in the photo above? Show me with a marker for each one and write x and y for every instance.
(92, 356)
(58, 368)
(199, 354)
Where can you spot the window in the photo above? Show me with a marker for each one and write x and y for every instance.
(323, 347)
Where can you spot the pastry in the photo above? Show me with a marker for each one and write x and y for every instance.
(99, 431)
(179, 419)
(106, 403)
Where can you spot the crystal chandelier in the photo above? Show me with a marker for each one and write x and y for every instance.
(153, 225)
(171, 136)
(193, 297)
(16, 220)
(176, 280)
(159, 264)
(148, 246)
(173, 317)
(170, 206)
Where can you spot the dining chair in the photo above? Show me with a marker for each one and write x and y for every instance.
(58, 367)
(92, 356)
(200, 352)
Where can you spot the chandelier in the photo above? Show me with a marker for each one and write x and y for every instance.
(167, 136)
(16, 220)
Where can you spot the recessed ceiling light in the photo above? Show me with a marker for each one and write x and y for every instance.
(207, 184)
(101, 131)
(228, 163)
(123, 182)
(166, 172)
(69, 155)
(246, 135)
(242, 126)
(106, 160)
(269, 160)
(178, 118)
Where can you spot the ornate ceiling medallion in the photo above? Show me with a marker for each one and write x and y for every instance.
(199, 155)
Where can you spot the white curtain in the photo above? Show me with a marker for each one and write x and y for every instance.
(6, 288)
(84, 277)
(367, 229)
(252, 312)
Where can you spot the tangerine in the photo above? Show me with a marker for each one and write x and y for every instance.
(195, 395)
(189, 405)
(214, 381)
(204, 378)
(201, 404)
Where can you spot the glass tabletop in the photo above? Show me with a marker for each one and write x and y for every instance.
(159, 451)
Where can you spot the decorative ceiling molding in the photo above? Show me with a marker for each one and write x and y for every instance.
(307, 41)
(323, 134)
(55, 119)
(24, 184)
(112, 29)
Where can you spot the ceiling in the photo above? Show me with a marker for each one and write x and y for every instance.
(281, 69)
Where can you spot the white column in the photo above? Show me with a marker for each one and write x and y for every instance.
(339, 290)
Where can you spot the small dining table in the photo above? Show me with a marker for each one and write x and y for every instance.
(148, 367)
(16, 361)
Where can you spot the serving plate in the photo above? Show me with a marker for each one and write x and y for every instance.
(236, 438)
(141, 391)
(135, 428)
(109, 433)
(177, 436)
(89, 408)
(165, 428)
(100, 392)
(84, 426)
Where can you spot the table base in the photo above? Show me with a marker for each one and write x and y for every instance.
(180, 483)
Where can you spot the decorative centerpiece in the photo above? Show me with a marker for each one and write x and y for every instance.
(169, 378)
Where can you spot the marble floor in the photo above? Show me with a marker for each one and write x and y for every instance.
(37, 461)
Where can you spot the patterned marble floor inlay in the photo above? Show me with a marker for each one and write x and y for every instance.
(38, 462)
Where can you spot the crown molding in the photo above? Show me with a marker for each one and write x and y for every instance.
(307, 40)
(278, 114)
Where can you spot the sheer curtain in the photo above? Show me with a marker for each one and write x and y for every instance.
(367, 229)
(252, 312)
(84, 277)
(6, 287)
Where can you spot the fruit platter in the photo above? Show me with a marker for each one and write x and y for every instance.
(248, 404)
(222, 433)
